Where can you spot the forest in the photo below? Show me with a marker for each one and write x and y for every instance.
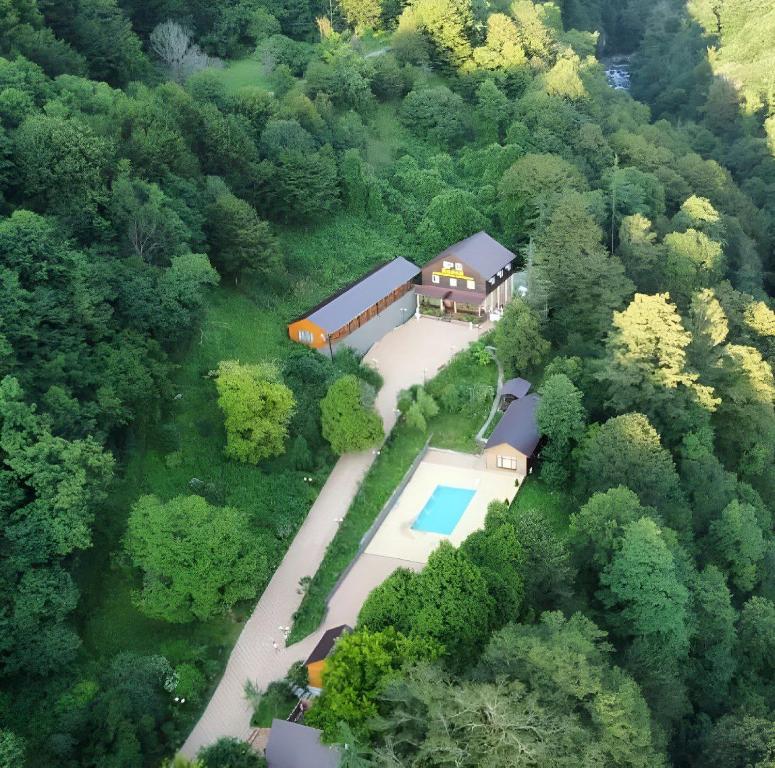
(179, 179)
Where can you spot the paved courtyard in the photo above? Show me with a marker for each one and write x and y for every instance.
(408, 355)
(396, 538)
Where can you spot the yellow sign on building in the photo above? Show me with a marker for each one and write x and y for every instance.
(456, 273)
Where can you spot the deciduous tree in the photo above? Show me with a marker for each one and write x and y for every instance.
(197, 560)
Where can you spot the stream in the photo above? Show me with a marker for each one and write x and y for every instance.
(617, 72)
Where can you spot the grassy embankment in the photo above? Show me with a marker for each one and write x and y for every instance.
(454, 431)
(186, 444)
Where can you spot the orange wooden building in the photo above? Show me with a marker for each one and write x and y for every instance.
(316, 663)
(362, 312)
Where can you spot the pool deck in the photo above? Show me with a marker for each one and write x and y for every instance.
(397, 539)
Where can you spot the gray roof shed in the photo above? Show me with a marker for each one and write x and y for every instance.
(518, 426)
(344, 306)
(515, 387)
(292, 745)
(480, 252)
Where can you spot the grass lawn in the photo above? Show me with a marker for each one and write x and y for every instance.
(183, 448)
(249, 71)
(448, 430)
(556, 506)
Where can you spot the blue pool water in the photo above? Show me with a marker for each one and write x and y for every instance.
(443, 510)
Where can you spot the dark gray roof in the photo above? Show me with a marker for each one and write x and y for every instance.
(480, 252)
(326, 643)
(292, 745)
(515, 387)
(518, 427)
(338, 310)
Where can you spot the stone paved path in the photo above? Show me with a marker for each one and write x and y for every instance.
(407, 355)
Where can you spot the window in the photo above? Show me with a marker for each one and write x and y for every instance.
(507, 462)
(491, 281)
(447, 264)
(452, 282)
(500, 273)
(470, 284)
(434, 278)
(458, 267)
(508, 267)
(305, 337)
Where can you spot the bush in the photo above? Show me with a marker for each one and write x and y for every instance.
(349, 424)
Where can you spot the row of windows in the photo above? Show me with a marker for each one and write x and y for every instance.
(470, 284)
(456, 265)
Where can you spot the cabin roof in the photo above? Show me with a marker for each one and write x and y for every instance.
(518, 426)
(326, 643)
(480, 252)
(516, 387)
(292, 745)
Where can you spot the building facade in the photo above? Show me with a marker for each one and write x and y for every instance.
(478, 276)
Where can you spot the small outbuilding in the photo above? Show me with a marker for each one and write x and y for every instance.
(292, 745)
(512, 390)
(513, 443)
(362, 312)
(316, 663)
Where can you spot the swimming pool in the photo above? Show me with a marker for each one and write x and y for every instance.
(443, 509)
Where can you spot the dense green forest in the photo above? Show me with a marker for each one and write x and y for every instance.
(179, 179)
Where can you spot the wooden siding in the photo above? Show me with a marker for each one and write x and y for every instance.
(371, 312)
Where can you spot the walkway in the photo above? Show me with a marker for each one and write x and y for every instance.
(408, 355)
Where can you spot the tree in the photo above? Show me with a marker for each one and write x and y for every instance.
(641, 255)
(492, 112)
(450, 217)
(595, 531)
(738, 741)
(626, 450)
(647, 603)
(530, 187)
(745, 420)
(736, 543)
(197, 560)
(362, 14)
(693, 261)
(646, 368)
(12, 748)
(498, 554)
(182, 57)
(518, 338)
(257, 408)
(447, 602)
(349, 422)
(356, 673)
(584, 284)
(709, 327)
(541, 693)
(712, 648)
(103, 34)
(241, 241)
(434, 112)
(561, 419)
(546, 568)
(756, 638)
(63, 166)
(228, 752)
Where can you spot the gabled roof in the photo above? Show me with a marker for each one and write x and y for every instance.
(345, 305)
(292, 745)
(518, 427)
(326, 643)
(515, 387)
(480, 252)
